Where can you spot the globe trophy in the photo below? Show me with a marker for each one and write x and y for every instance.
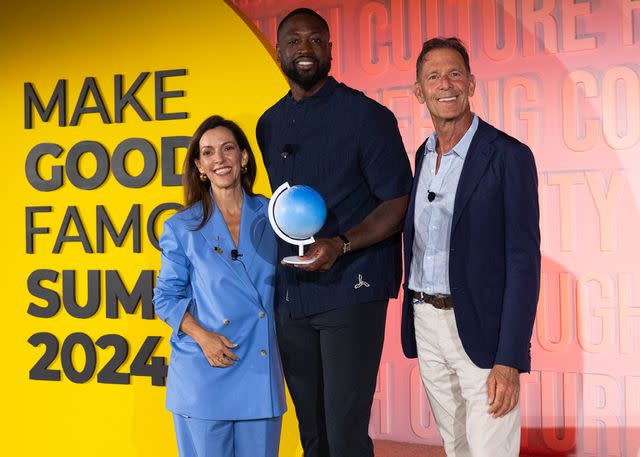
(296, 214)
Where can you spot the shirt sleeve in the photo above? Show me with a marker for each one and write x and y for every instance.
(172, 294)
(382, 155)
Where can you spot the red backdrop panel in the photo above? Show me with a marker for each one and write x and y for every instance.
(564, 77)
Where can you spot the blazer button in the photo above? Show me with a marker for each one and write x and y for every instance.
(261, 314)
(226, 322)
(263, 352)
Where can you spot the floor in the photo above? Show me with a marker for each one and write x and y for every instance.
(395, 449)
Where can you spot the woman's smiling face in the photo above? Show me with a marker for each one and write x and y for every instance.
(221, 158)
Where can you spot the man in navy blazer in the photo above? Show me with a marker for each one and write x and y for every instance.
(472, 262)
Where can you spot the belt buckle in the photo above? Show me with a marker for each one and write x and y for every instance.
(419, 296)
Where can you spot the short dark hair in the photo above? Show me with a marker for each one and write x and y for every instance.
(454, 43)
(299, 11)
(196, 190)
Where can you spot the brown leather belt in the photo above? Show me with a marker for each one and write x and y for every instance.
(437, 301)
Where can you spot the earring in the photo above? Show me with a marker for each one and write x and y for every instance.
(203, 177)
(243, 170)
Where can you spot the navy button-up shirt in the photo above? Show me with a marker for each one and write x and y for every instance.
(348, 148)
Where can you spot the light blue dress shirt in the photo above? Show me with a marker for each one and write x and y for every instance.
(430, 262)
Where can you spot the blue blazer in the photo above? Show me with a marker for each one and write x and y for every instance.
(494, 259)
(234, 298)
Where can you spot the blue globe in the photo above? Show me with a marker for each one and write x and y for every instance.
(300, 212)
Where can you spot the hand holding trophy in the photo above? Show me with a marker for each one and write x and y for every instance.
(296, 214)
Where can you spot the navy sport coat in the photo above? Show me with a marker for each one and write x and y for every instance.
(494, 263)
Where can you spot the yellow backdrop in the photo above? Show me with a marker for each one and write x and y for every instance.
(201, 59)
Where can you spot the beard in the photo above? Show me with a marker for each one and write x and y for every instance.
(307, 80)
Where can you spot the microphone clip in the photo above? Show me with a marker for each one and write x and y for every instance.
(287, 150)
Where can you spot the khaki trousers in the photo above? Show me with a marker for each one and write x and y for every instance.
(457, 390)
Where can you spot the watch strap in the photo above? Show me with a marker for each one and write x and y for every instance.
(346, 244)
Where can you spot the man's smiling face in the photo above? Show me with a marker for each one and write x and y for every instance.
(304, 50)
(445, 85)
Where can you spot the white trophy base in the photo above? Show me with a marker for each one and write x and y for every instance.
(297, 260)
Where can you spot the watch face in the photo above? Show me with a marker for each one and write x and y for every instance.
(346, 244)
(346, 247)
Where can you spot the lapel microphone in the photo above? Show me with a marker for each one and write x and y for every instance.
(235, 254)
(287, 149)
(431, 196)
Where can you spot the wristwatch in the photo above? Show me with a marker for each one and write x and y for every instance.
(346, 244)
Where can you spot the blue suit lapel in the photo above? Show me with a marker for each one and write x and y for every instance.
(475, 165)
(217, 236)
(252, 227)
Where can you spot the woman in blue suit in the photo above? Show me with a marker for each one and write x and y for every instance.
(215, 290)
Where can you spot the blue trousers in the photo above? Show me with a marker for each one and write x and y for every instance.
(210, 438)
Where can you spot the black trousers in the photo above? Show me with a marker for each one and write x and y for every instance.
(330, 362)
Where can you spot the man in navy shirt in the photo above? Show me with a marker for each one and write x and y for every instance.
(331, 313)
